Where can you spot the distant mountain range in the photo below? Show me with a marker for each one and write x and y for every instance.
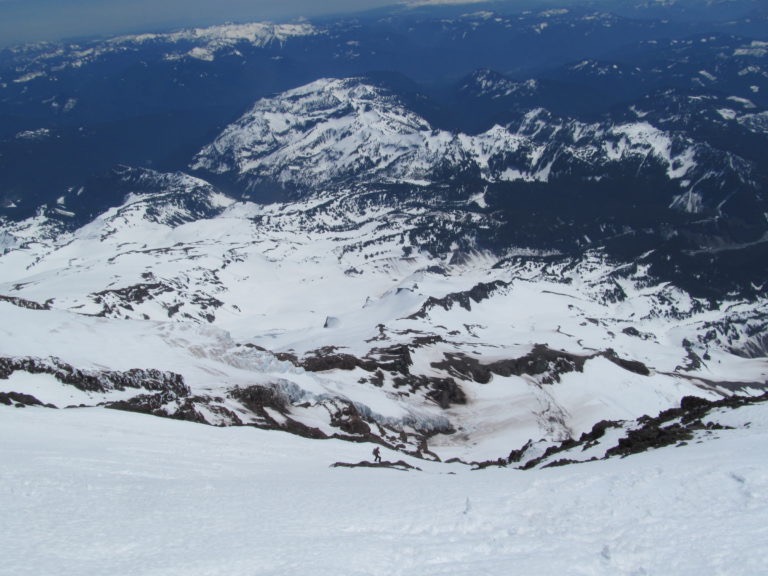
(437, 229)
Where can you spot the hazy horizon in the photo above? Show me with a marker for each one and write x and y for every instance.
(45, 20)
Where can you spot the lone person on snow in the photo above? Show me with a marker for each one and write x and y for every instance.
(376, 454)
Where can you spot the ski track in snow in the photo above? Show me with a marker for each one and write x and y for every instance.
(100, 492)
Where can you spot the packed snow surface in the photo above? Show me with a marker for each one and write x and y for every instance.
(93, 492)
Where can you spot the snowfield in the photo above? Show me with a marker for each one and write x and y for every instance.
(550, 318)
(92, 492)
(324, 316)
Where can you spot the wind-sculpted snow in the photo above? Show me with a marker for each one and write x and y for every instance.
(335, 131)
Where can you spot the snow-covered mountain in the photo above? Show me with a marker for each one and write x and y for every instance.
(44, 59)
(235, 260)
(328, 316)
(340, 265)
(335, 131)
(614, 182)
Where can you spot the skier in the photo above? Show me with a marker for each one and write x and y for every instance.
(377, 454)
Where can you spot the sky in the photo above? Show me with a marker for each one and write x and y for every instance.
(33, 20)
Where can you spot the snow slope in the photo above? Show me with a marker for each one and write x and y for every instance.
(153, 356)
(94, 491)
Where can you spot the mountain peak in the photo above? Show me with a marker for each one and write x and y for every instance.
(328, 130)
